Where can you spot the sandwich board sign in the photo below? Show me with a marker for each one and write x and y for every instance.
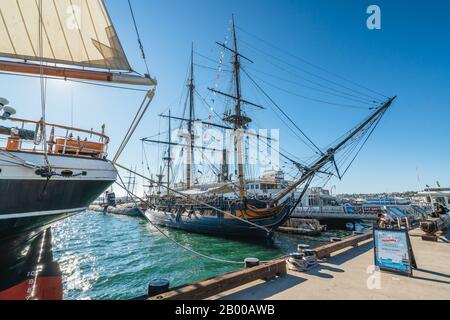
(393, 251)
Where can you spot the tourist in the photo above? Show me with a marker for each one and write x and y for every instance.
(440, 210)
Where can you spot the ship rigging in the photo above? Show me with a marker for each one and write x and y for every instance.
(225, 208)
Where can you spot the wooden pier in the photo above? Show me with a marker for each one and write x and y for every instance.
(205, 289)
(347, 273)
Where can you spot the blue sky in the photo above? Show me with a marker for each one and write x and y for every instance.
(408, 57)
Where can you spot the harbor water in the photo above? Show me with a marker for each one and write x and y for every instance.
(114, 257)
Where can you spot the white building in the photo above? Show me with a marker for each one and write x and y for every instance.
(436, 195)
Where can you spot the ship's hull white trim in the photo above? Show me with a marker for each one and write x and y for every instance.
(40, 213)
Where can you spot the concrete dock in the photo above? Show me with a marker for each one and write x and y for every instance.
(349, 274)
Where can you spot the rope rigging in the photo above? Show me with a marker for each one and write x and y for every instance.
(316, 75)
(141, 47)
(43, 84)
(134, 124)
(283, 154)
(312, 64)
(326, 160)
(133, 196)
(336, 93)
(315, 99)
(374, 126)
(199, 202)
(368, 100)
(282, 111)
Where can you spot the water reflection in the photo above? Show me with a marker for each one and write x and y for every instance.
(28, 270)
(114, 257)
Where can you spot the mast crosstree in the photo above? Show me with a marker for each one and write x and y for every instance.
(238, 119)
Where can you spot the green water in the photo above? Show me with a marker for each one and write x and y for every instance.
(114, 257)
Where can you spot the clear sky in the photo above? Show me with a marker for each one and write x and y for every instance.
(409, 57)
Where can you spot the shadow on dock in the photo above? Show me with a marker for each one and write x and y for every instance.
(318, 271)
(350, 254)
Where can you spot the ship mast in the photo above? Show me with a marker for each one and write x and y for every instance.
(169, 154)
(238, 120)
(160, 177)
(190, 149)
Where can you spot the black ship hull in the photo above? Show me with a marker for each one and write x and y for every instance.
(28, 270)
(34, 205)
(31, 203)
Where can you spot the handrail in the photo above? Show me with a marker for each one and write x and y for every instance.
(63, 145)
(98, 134)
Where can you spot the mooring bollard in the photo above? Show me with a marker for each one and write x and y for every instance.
(251, 262)
(158, 286)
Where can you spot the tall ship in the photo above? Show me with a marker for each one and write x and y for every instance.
(231, 206)
(50, 171)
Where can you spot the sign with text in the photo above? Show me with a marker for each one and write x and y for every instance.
(393, 251)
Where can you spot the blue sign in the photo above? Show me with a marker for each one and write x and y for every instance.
(393, 250)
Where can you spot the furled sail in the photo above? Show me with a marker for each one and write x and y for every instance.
(74, 32)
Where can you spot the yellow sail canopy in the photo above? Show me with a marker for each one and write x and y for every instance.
(74, 32)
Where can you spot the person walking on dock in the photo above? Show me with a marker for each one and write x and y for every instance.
(384, 221)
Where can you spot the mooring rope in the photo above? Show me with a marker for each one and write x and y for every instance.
(133, 196)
